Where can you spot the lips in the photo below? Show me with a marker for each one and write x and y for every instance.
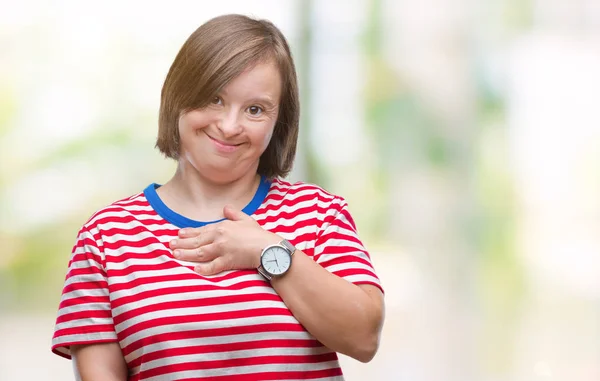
(224, 146)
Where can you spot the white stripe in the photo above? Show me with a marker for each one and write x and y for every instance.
(204, 325)
(337, 242)
(134, 224)
(84, 307)
(88, 249)
(151, 261)
(85, 278)
(121, 214)
(83, 322)
(131, 207)
(273, 226)
(85, 293)
(130, 238)
(136, 250)
(205, 280)
(84, 264)
(290, 197)
(293, 209)
(241, 354)
(116, 295)
(348, 266)
(303, 367)
(115, 280)
(84, 338)
(229, 339)
(136, 197)
(173, 312)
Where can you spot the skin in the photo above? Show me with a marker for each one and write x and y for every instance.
(99, 362)
(216, 177)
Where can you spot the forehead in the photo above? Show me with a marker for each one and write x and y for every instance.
(261, 79)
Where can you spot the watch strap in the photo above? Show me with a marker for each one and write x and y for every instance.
(288, 245)
(262, 272)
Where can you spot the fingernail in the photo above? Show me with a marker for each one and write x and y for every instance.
(183, 232)
(177, 253)
(173, 243)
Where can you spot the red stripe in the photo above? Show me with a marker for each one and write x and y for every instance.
(220, 348)
(268, 376)
(176, 277)
(336, 235)
(203, 365)
(121, 245)
(211, 332)
(137, 230)
(163, 291)
(85, 329)
(83, 300)
(211, 316)
(90, 314)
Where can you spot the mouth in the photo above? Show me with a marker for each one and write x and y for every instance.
(224, 146)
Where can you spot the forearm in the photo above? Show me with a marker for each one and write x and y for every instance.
(342, 316)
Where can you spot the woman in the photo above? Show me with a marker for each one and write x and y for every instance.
(227, 271)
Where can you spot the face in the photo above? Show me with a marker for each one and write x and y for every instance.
(224, 140)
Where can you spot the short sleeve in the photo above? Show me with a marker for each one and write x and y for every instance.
(84, 315)
(339, 250)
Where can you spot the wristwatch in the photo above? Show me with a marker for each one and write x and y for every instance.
(276, 260)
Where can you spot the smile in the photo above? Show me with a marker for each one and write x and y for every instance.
(223, 146)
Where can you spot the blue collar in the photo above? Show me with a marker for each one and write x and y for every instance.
(181, 221)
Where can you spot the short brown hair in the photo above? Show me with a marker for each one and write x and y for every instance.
(217, 52)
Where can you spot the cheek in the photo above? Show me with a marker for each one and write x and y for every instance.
(193, 120)
(267, 138)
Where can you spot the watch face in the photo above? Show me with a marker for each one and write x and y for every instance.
(276, 260)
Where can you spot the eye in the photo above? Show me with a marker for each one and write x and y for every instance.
(216, 101)
(255, 110)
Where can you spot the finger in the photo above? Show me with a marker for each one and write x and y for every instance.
(216, 266)
(234, 214)
(201, 254)
(192, 242)
(192, 232)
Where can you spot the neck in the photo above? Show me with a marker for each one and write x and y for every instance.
(194, 196)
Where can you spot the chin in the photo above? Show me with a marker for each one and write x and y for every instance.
(223, 175)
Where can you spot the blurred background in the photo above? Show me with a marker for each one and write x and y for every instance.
(465, 136)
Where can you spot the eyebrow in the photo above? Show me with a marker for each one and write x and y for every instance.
(260, 99)
(266, 99)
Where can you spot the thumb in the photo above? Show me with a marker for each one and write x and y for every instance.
(234, 214)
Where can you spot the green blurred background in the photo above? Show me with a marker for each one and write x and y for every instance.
(465, 136)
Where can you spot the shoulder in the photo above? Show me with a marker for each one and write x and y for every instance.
(118, 211)
(301, 198)
(305, 190)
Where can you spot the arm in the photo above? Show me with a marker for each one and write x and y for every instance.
(102, 362)
(345, 317)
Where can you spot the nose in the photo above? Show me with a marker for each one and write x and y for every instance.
(228, 124)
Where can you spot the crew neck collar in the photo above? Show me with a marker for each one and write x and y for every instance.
(183, 222)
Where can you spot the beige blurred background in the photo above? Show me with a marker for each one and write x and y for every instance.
(465, 135)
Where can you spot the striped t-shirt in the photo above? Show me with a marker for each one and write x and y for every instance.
(124, 285)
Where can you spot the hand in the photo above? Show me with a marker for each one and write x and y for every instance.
(233, 244)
